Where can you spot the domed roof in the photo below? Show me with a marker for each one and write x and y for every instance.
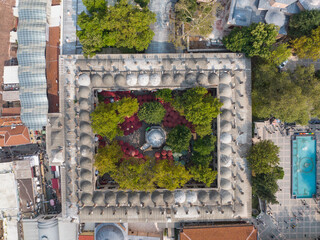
(86, 186)
(225, 150)
(214, 196)
(85, 162)
(84, 80)
(84, 104)
(120, 80)
(190, 78)
(225, 126)
(191, 196)
(310, 4)
(202, 79)
(84, 116)
(86, 198)
(226, 197)
(85, 174)
(108, 80)
(98, 198)
(225, 78)
(96, 80)
(133, 198)
(166, 79)
(203, 196)
(84, 92)
(143, 79)
(144, 197)
(122, 197)
(155, 137)
(155, 79)
(226, 138)
(225, 172)
(225, 161)
(225, 183)
(109, 197)
(132, 79)
(156, 197)
(178, 78)
(227, 210)
(225, 90)
(213, 79)
(226, 115)
(85, 139)
(276, 17)
(168, 197)
(179, 196)
(85, 151)
(108, 232)
(85, 127)
(227, 103)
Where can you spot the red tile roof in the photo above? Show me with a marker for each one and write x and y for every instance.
(14, 111)
(8, 121)
(18, 135)
(86, 237)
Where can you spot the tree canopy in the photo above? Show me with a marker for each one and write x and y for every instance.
(178, 138)
(152, 112)
(203, 174)
(263, 156)
(254, 40)
(308, 47)
(303, 23)
(279, 54)
(204, 145)
(122, 26)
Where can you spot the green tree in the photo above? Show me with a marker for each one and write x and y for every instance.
(199, 107)
(308, 47)
(205, 145)
(107, 117)
(179, 138)
(107, 158)
(254, 40)
(279, 54)
(142, 3)
(122, 26)
(265, 185)
(199, 159)
(303, 23)
(95, 5)
(263, 157)
(152, 112)
(170, 176)
(164, 95)
(203, 174)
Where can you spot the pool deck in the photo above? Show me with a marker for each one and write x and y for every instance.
(289, 211)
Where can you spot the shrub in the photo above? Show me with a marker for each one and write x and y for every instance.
(203, 174)
(179, 138)
(204, 145)
(303, 23)
(164, 95)
(152, 112)
(199, 159)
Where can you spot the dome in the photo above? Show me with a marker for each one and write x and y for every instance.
(166, 79)
(310, 4)
(85, 151)
(225, 90)
(168, 197)
(143, 79)
(225, 161)
(155, 79)
(109, 197)
(190, 78)
(85, 127)
(227, 210)
(225, 172)
(84, 104)
(225, 78)
(120, 80)
(226, 197)
(84, 80)
(227, 103)
(86, 198)
(178, 78)
(202, 79)
(108, 80)
(122, 198)
(132, 80)
(85, 162)
(213, 79)
(98, 198)
(85, 174)
(96, 80)
(225, 126)
(155, 137)
(225, 138)
(226, 115)
(84, 116)
(156, 197)
(225, 149)
(133, 198)
(108, 232)
(179, 197)
(214, 196)
(84, 92)
(203, 196)
(191, 196)
(276, 17)
(144, 197)
(225, 183)
(86, 186)
(85, 139)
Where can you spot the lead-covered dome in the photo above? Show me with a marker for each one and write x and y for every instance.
(108, 232)
(84, 80)
(132, 80)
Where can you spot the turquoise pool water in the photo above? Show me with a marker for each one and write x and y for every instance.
(303, 168)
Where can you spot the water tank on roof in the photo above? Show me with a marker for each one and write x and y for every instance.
(108, 231)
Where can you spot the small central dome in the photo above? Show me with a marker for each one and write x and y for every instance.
(108, 232)
(155, 137)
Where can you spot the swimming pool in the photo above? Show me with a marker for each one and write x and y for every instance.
(303, 166)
